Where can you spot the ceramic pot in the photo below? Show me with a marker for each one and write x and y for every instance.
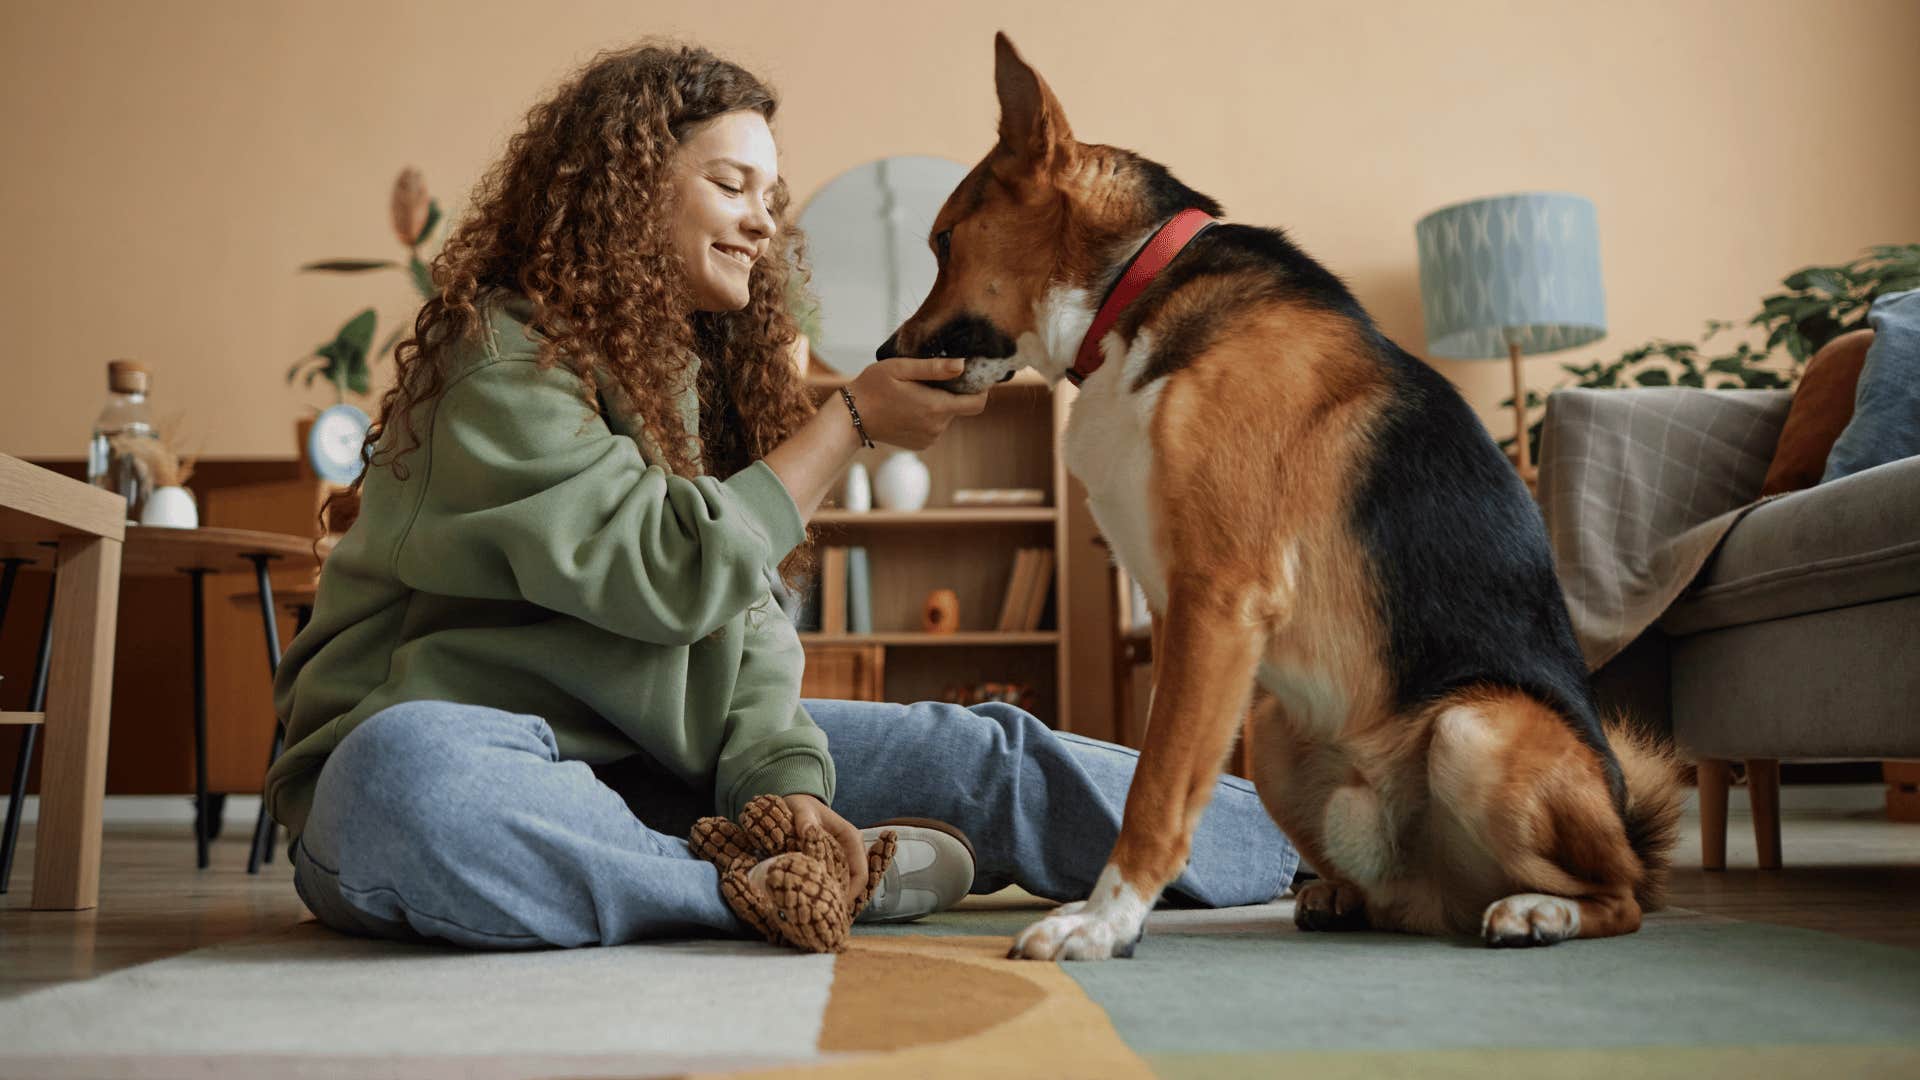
(942, 615)
(858, 492)
(902, 482)
(172, 507)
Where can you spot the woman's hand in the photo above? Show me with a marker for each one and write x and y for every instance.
(898, 407)
(810, 810)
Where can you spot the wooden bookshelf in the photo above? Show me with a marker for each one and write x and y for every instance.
(825, 378)
(962, 638)
(937, 517)
(1014, 443)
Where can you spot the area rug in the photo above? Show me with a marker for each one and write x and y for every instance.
(1209, 994)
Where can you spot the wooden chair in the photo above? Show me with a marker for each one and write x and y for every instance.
(86, 524)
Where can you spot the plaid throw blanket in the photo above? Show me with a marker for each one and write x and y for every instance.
(1638, 488)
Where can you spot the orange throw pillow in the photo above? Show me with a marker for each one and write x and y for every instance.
(1821, 407)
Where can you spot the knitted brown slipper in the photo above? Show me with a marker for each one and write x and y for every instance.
(723, 844)
(879, 857)
(728, 848)
(792, 899)
(785, 882)
(768, 824)
(805, 900)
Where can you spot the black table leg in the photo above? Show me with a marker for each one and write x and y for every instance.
(6, 584)
(37, 702)
(263, 826)
(202, 812)
(26, 743)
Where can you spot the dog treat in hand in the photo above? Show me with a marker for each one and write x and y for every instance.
(784, 882)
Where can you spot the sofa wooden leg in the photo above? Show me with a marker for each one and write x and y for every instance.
(1763, 789)
(1714, 775)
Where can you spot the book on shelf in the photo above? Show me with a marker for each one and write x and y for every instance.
(859, 592)
(1013, 604)
(1039, 588)
(833, 590)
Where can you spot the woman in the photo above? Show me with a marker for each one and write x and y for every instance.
(594, 459)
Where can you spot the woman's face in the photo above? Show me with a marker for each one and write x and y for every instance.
(724, 175)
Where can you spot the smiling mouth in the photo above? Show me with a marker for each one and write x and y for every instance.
(738, 255)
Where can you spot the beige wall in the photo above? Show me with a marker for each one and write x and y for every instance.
(168, 165)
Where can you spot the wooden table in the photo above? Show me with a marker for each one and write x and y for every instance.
(86, 526)
(156, 551)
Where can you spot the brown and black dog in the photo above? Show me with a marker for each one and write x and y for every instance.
(1319, 522)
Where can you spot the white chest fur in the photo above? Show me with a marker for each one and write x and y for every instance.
(1109, 447)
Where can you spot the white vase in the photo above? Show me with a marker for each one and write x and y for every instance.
(858, 493)
(172, 507)
(902, 482)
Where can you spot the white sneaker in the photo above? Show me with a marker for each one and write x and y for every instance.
(932, 869)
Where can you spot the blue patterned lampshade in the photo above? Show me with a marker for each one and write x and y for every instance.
(1512, 269)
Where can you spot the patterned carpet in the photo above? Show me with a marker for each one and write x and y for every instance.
(1209, 994)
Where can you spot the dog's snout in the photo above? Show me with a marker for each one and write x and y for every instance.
(889, 347)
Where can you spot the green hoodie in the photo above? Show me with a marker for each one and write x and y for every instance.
(535, 560)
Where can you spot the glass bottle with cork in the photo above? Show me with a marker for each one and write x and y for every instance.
(125, 417)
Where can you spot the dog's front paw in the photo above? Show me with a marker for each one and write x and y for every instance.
(1078, 932)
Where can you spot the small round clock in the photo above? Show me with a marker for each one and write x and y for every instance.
(333, 446)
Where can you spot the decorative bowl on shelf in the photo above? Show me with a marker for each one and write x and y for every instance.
(172, 507)
(999, 497)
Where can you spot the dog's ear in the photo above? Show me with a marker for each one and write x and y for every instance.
(1034, 137)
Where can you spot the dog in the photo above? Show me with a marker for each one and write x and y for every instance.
(1336, 555)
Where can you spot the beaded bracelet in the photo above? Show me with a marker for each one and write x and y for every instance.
(857, 426)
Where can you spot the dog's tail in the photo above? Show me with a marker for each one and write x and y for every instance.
(1654, 798)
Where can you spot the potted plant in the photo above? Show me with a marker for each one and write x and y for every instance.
(344, 360)
(163, 468)
(1818, 304)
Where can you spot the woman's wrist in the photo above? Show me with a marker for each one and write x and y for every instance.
(813, 457)
(847, 396)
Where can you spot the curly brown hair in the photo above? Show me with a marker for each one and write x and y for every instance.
(577, 217)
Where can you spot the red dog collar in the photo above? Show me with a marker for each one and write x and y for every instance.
(1147, 263)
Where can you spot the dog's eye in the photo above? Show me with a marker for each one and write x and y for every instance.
(943, 244)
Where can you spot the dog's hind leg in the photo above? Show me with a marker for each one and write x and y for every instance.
(1526, 919)
(1330, 905)
(1209, 649)
(1537, 800)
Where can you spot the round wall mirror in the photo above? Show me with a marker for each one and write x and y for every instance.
(867, 240)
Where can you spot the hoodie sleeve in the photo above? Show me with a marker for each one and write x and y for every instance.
(532, 496)
(772, 746)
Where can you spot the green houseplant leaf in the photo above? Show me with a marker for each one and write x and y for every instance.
(347, 352)
(422, 278)
(433, 218)
(350, 266)
(1817, 304)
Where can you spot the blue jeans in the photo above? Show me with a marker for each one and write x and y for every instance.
(461, 823)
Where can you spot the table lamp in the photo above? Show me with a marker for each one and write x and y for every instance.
(1511, 275)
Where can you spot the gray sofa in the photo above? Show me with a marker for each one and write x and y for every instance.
(1799, 638)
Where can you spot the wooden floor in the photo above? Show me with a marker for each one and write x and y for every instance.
(1851, 874)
